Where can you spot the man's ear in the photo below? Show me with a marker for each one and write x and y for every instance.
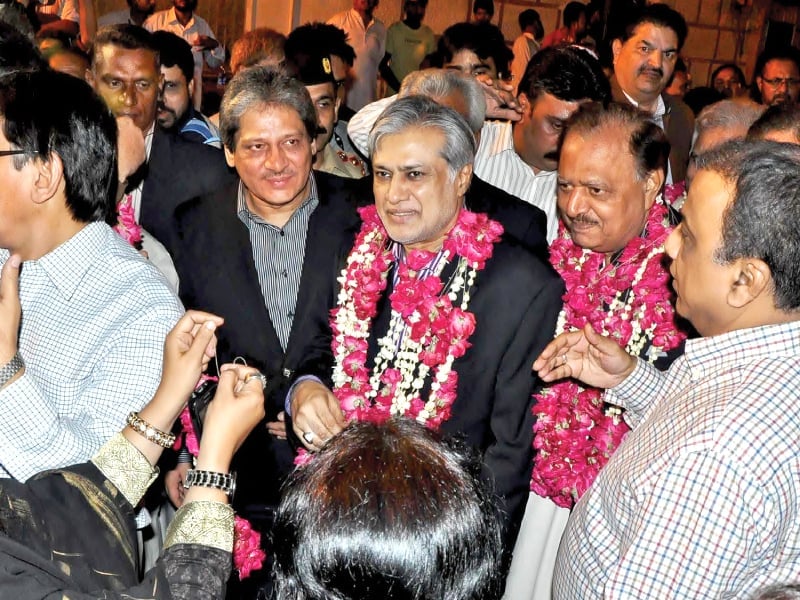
(49, 178)
(229, 157)
(463, 179)
(653, 183)
(754, 278)
(524, 102)
(89, 77)
(191, 88)
(616, 46)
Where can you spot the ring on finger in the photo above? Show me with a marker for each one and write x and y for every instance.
(564, 358)
(257, 375)
(308, 436)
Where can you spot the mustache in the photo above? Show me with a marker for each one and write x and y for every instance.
(652, 70)
(163, 108)
(583, 218)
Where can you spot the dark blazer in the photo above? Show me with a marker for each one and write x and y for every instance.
(516, 301)
(678, 125)
(177, 171)
(215, 262)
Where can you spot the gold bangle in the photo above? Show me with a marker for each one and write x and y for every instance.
(148, 432)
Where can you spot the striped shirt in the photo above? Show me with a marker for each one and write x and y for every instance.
(701, 499)
(499, 164)
(278, 254)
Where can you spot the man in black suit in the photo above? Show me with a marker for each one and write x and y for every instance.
(422, 156)
(264, 253)
(126, 73)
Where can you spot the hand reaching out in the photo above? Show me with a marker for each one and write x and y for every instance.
(587, 356)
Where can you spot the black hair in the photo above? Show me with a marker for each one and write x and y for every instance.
(573, 12)
(732, 67)
(174, 50)
(17, 52)
(319, 39)
(487, 5)
(699, 97)
(660, 15)
(79, 128)
(129, 37)
(789, 53)
(387, 511)
(527, 18)
(569, 73)
(781, 117)
(647, 143)
(759, 221)
(484, 39)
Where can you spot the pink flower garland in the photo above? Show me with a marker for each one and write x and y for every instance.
(127, 227)
(427, 311)
(247, 553)
(574, 434)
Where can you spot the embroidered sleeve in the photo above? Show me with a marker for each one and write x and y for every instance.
(124, 466)
(202, 522)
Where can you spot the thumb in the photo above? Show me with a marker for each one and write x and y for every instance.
(201, 340)
(9, 278)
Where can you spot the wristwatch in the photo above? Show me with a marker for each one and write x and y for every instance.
(225, 482)
(11, 368)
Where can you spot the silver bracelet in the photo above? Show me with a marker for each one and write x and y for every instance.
(225, 482)
(11, 368)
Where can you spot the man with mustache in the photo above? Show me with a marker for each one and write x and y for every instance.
(777, 78)
(700, 499)
(645, 53)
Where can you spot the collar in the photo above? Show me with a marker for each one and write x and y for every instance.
(706, 356)
(661, 108)
(67, 264)
(246, 215)
(172, 19)
(502, 140)
(357, 16)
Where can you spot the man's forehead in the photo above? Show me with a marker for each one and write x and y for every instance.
(653, 32)
(780, 64)
(110, 54)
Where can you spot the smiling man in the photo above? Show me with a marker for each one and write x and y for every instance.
(418, 244)
(263, 253)
(700, 499)
(645, 53)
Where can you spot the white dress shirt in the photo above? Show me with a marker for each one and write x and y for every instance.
(499, 164)
(94, 318)
(166, 20)
(369, 44)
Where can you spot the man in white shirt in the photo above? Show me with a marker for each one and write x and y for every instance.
(521, 158)
(526, 45)
(181, 20)
(367, 36)
(83, 322)
(136, 14)
(61, 16)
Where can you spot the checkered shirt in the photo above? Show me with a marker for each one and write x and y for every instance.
(702, 499)
(94, 317)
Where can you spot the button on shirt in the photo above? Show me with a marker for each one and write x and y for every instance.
(701, 498)
(499, 164)
(94, 317)
(369, 44)
(278, 254)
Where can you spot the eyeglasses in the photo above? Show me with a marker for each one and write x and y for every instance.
(16, 152)
(780, 81)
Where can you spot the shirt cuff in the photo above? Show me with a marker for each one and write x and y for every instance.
(202, 522)
(638, 390)
(123, 465)
(287, 403)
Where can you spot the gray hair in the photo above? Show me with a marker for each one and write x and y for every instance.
(259, 87)
(731, 115)
(440, 83)
(422, 112)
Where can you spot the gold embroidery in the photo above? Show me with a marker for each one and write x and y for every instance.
(125, 467)
(202, 522)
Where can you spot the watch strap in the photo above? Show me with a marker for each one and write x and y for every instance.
(225, 482)
(11, 368)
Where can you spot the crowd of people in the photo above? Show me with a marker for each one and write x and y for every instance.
(524, 328)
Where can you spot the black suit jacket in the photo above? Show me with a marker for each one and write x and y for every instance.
(177, 171)
(516, 301)
(215, 262)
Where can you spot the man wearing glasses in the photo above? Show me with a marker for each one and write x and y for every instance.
(777, 78)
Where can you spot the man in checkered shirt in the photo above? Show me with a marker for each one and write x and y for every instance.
(83, 316)
(701, 498)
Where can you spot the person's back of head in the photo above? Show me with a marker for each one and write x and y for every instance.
(17, 51)
(78, 128)
(262, 46)
(448, 87)
(530, 18)
(780, 123)
(735, 117)
(573, 11)
(320, 38)
(386, 511)
(569, 73)
(173, 51)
